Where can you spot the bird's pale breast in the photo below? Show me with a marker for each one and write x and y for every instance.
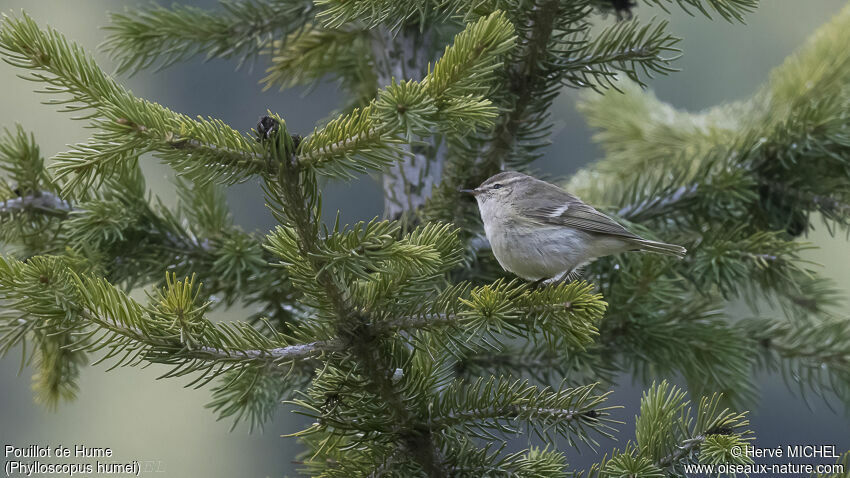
(539, 251)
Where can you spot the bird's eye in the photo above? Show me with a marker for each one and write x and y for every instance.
(497, 186)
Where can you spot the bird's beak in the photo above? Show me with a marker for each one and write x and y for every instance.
(474, 192)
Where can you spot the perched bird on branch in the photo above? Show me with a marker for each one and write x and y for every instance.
(538, 231)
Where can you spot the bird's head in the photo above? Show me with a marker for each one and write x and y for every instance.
(498, 187)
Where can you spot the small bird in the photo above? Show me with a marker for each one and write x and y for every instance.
(539, 232)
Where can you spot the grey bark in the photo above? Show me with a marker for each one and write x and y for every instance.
(402, 55)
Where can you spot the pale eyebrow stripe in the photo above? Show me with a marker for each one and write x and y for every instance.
(505, 182)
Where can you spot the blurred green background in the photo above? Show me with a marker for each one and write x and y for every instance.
(144, 419)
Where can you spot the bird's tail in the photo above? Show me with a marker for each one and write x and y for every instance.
(661, 248)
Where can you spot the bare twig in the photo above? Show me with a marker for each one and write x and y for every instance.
(43, 202)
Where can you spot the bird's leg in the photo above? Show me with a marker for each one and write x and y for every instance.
(538, 284)
(565, 277)
(570, 275)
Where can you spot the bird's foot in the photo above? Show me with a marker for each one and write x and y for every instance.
(536, 285)
(569, 276)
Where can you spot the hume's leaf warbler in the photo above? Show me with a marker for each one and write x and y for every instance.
(539, 231)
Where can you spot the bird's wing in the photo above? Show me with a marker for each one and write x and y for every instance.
(576, 214)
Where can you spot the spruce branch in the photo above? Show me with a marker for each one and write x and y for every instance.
(740, 181)
(227, 258)
(542, 365)
(38, 314)
(313, 53)
(354, 142)
(761, 143)
(328, 270)
(252, 394)
(30, 208)
(627, 47)
(644, 124)
(659, 205)
(729, 10)
(161, 37)
(20, 158)
(648, 327)
(204, 149)
(536, 462)
(467, 67)
(811, 352)
(525, 76)
(374, 137)
(172, 329)
(118, 228)
(69, 315)
(564, 315)
(58, 367)
(486, 406)
(766, 259)
(299, 211)
(373, 13)
(670, 433)
(481, 320)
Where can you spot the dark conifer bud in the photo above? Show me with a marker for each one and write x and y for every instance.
(266, 127)
(720, 431)
(296, 140)
(623, 8)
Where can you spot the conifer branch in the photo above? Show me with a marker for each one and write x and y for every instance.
(449, 100)
(373, 13)
(495, 404)
(290, 352)
(142, 38)
(671, 432)
(351, 324)
(757, 146)
(204, 149)
(171, 330)
(540, 27)
(106, 220)
(658, 205)
(625, 47)
(682, 451)
(474, 54)
(542, 364)
(811, 351)
(563, 314)
(21, 158)
(313, 53)
(729, 10)
(286, 354)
